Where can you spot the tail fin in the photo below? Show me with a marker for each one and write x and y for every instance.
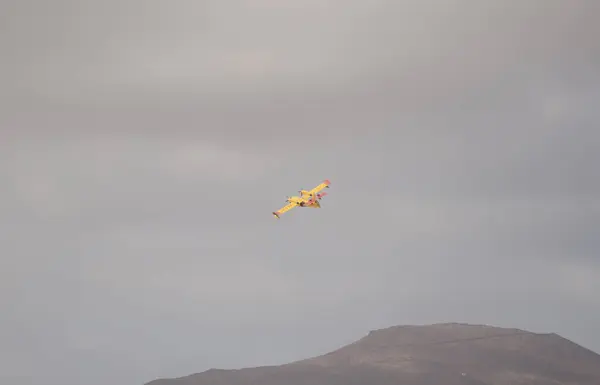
(276, 214)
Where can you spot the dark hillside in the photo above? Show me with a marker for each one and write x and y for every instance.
(449, 354)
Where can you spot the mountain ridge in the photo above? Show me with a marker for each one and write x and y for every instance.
(449, 353)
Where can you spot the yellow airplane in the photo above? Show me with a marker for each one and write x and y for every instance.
(307, 198)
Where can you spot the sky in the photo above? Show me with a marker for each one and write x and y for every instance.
(144, 145)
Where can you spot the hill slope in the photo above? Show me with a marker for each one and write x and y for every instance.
(449, 354)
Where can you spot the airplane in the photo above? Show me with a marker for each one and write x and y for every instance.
(307, 198)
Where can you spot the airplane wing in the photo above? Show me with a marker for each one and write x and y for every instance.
(320, 187)
(284, 209)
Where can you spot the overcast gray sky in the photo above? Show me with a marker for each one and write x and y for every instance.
(144, 145)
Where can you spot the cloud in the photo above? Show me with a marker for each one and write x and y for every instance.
(144, 148)
(579, 281)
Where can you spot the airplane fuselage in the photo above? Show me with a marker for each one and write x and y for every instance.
(304, 202)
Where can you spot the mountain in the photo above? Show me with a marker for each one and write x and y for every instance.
(444, 354)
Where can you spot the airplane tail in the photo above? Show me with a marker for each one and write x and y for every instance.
(276, 214)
